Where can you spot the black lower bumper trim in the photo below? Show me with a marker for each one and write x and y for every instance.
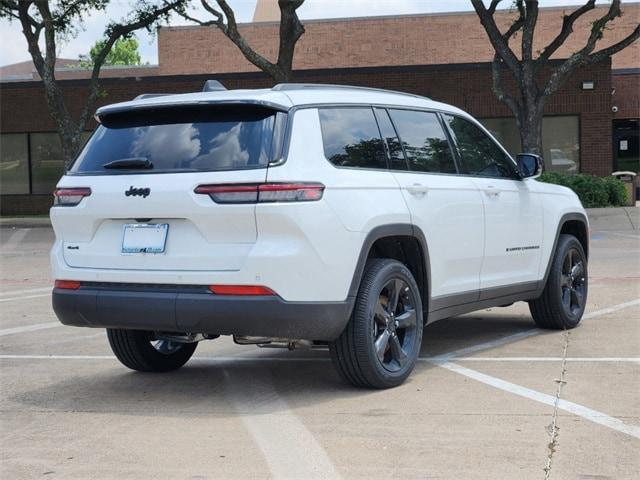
(171, 311)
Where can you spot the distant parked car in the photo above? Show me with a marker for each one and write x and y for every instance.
(561, 162)
(305, 214)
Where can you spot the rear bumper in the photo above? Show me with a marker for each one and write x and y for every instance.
(193, 310)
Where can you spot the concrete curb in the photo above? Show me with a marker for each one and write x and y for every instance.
(601, 219)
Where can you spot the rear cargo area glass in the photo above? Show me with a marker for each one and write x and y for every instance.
(186, 139)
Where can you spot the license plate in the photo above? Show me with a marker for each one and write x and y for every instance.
(144, 237)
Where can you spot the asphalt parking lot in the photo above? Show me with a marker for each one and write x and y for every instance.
(492, 397)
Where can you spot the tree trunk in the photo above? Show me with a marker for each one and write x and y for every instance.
(71, 142)
(531, 133)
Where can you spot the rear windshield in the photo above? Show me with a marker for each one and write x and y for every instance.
(203, 138)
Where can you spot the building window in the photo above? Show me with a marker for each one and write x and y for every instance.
(351, 138)
(47, 162)
(560, 140)
(14, 163)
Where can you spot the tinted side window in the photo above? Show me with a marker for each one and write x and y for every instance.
(480, 154)
(351, 138)
(390, 137)
(424, 141)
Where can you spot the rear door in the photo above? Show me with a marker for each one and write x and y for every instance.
(447, 207)
(155, 160)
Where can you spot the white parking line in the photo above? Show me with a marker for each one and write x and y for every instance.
(16, 237)
(257, 358)
(579, 410)
(542, 359)
(615, 308)
(24, 297)
(30, 290)
(29, 328)
(490, 344)
(289, 448)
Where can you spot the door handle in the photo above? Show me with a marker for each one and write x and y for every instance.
(417, 189)
(492, 191)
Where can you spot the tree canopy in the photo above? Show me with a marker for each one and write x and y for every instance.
(123, 52)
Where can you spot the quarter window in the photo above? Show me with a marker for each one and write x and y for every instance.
(425, 143)
(480, 155)
(351, 138)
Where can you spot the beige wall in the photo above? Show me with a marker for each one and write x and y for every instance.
(377, 41)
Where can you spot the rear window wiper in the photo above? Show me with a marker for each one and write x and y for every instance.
(133, 163)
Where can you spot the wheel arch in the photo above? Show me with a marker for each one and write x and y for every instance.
(401, 241)
(575, 224)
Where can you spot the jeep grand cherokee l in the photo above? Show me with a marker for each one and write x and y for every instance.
(305, 214)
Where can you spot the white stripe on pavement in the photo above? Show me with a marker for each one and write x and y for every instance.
(29, 328)
(27, 291)
(16, 237)
(615, 308)
(289, 448)
(540, 359)
(24, 297)
(579, 410)
(257, 358)
(490, 344)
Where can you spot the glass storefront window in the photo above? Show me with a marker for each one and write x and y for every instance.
(560, 140)
(14, 163)
(47, 164)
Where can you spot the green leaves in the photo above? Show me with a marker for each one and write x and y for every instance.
(593, 191)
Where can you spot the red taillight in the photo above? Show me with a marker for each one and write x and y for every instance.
(240, 290)
(67, 284)
(70, 196)
(263, 193)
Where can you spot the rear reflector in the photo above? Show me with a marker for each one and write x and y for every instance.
(70, 196)
(240, 290)
(67, 284)
(262, 193)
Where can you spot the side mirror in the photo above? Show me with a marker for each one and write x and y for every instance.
(530, 165)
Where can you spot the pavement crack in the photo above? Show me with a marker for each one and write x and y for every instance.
(553, 429)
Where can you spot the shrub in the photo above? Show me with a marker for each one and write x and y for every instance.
(593, 191)
(617, 191)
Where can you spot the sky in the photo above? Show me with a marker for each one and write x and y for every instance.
(13, 47)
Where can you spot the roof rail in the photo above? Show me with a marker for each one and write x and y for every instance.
(300, 86)
(213, 86)
(151, 95)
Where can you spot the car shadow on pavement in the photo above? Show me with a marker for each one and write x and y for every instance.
(228, 386)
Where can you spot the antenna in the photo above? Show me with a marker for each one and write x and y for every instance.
(213, 86)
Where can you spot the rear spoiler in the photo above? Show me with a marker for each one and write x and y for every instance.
(159, 102)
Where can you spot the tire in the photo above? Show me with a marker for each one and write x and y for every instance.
(380, 345)
(135, 349)
(564, 297)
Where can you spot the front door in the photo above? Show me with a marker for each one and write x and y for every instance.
(512, 211)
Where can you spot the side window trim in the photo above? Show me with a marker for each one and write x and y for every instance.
(452, 144)
(384, 140)
(387, 149)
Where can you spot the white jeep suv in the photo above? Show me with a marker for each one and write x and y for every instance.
(305, 214)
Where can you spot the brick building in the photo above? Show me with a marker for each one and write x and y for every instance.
(592, 130)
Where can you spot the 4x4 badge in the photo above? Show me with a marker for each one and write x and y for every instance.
(137, 192)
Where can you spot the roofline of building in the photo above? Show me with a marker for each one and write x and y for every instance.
(625, 71)
(388, 17)
(202, 77)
